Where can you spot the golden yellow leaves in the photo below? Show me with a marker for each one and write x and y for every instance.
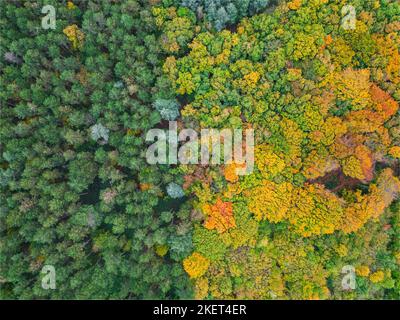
(322, 160)
(318, 163)
(362, 271)
(313, 118)
(371, 119)
(160, 15)
(294, 74)
(341, 53)
(373, 204)
(312, 292)
(359, 165)
(351, 167)
(71, 5)
(368, 116)
(387, 46)
(185, 83)
(397, 256)
(365, 158)
(304, 46)
(353, 85)
(295, 4)
(268, 162)
(201, 288)
(251, 78)
(315, 211)
(313, 131)
(308, 277)
(75, 36)
(169, 68)
(270, 201)
(230, 172)
(388, 188)
(377, 276)
(223, 58)
(196, 265)
(393, 68)
(342, 250)
(180, 27)
(245, 232)
(395, 152)
(364, 121)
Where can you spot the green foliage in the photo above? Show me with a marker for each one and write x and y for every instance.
(169, 109)
(225, 12)
(66, 200)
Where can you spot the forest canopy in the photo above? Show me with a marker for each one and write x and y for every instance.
(317, 81)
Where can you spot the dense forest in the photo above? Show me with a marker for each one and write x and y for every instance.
(317, 80)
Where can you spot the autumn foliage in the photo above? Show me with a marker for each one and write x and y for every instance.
(320, 106)
(196, 265)
(219, 216)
